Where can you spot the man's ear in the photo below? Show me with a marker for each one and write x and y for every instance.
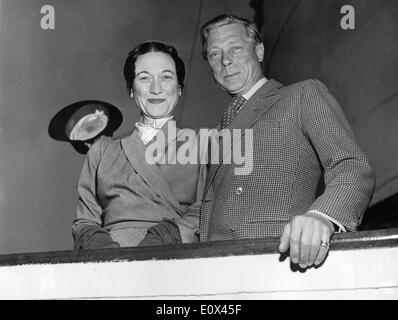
(259, 50)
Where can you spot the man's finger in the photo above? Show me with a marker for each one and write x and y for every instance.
(305, 245)
(295, 235)
(315, 244)
(323, 246)
(285, 238)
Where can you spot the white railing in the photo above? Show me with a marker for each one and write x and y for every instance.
(359, 265)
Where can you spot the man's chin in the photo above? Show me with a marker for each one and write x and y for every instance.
(231, 89)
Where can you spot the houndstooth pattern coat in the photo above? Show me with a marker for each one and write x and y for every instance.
(304, 158)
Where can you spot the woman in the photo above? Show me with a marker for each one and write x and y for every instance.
(122, 192)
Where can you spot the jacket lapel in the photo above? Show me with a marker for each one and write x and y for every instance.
(261, 101)
(168, 154)
(257, 105)
(134, 149)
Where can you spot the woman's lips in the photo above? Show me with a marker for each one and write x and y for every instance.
(156, 101)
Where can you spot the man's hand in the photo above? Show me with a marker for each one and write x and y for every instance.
(304, 235)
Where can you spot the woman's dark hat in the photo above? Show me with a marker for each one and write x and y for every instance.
(67, 120)
(81, 123)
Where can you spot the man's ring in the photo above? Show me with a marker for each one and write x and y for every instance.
(325, 244)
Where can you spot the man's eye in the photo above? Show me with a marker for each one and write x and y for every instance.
(237, 49)
(214, 54)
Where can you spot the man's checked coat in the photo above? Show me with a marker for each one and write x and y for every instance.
(304, 158)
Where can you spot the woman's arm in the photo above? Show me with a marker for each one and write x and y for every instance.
(184, 229)
(87, 229)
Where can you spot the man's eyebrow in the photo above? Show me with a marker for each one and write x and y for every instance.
(212, 48)
(237, 41)
(230, 42)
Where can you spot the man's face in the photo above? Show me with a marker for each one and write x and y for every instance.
(234, 59)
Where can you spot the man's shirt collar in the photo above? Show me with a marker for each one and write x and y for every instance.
(253, 89)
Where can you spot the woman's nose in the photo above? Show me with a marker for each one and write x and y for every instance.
(156, 87)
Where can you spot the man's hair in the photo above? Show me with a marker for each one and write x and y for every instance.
(152, 46)
(224, 19)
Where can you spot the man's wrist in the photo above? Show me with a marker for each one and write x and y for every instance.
(336, 226)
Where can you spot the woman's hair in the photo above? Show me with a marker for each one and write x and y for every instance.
(152, 46)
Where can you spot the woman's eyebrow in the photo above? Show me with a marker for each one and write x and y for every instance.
(167, 70)
(146, 72)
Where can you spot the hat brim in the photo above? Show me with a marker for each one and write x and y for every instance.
(57, 126)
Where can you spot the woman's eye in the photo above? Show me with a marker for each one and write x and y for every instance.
(144, 78)
(167, 77)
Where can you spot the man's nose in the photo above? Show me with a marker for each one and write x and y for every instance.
(156, 86)
(226, 60)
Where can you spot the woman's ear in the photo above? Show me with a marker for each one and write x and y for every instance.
(179, 91)
(131, 94)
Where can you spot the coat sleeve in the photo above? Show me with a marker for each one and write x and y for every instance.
(349, 178)
(188, 224)
(87, 229)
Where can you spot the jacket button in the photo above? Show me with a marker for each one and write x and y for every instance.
(239, 190)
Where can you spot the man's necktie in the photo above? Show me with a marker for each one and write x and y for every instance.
(231, 111)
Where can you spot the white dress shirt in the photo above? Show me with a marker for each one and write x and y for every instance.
(148, 128)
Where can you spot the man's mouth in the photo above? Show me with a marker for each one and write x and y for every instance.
(156, 101)
(231, 75)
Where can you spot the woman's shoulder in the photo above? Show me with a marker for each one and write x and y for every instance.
(105, 141)
(105, 144)
(102, 143)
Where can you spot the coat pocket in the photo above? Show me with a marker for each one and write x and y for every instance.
(260, 230)
(266, 216)
(273, 124)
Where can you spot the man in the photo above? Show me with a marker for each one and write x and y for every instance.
(302, 142)
(301, 137)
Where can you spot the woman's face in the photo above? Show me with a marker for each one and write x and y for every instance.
(156, 90)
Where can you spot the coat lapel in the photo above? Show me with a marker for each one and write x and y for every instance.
(135, 152)
(255, 107)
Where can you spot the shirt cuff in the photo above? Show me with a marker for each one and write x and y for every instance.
(341, 227)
